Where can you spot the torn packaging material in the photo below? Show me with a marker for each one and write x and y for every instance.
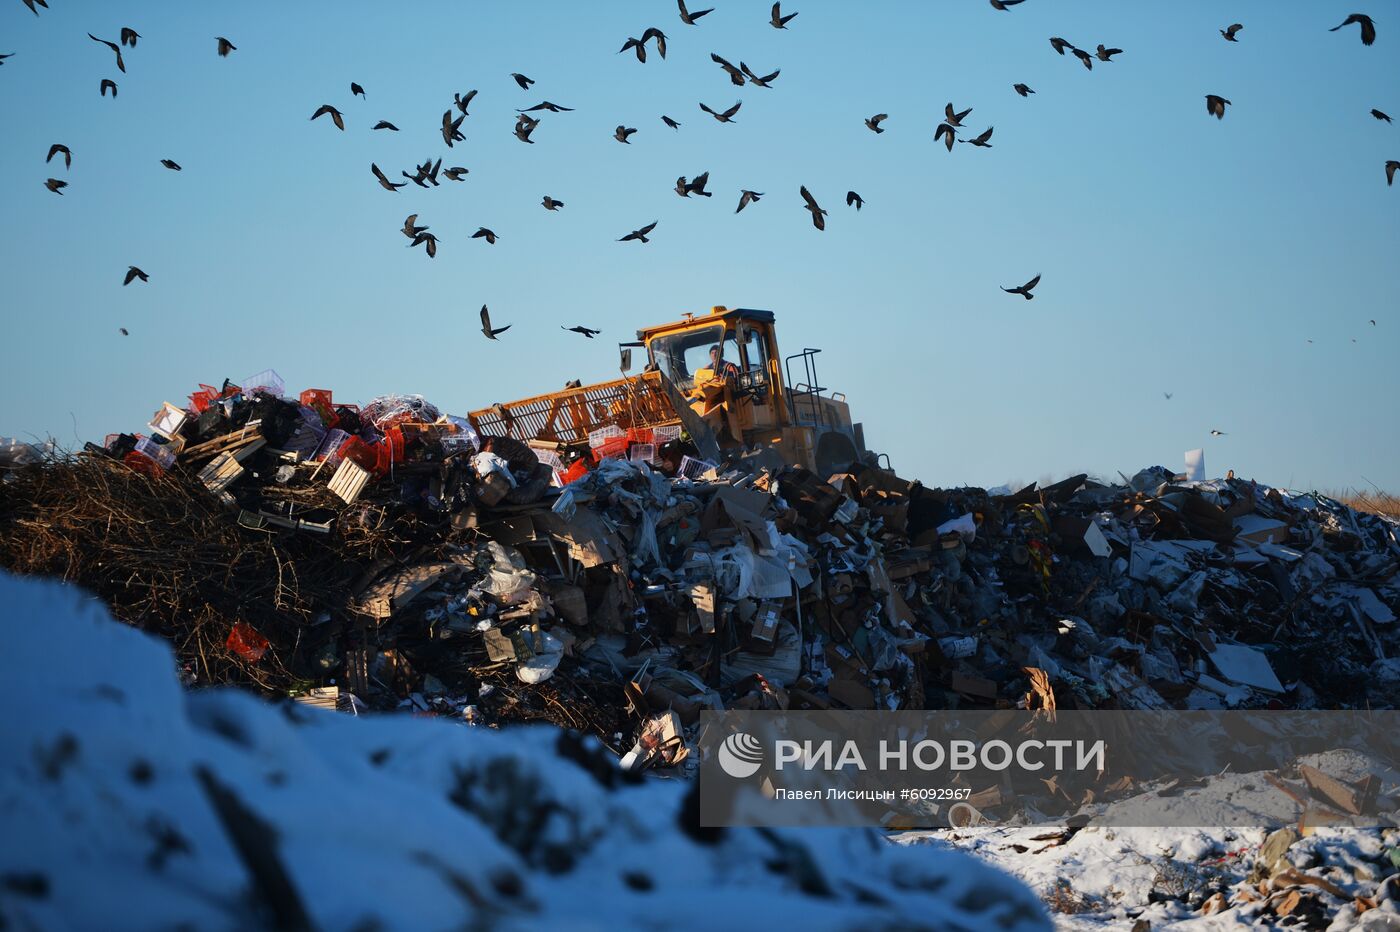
(742, 509)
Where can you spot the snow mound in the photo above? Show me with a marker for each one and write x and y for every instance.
(126, 802)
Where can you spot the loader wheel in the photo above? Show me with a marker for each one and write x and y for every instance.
(835, 452)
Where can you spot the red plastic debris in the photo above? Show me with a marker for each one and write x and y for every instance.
(247, 643)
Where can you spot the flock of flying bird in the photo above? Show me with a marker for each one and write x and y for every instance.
(427, 174)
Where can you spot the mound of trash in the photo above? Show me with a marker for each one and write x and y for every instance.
(133, 803)
(390, 556)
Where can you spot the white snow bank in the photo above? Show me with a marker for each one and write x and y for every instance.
(386, 822)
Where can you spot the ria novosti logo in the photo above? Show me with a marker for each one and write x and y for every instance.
(740, 755)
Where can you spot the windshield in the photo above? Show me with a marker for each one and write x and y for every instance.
(680, 355)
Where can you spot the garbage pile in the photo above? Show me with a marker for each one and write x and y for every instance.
(390, 556)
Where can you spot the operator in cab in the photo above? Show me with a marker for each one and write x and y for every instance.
(714, 391)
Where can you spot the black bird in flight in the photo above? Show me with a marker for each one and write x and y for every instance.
(955, 119)
(455, 173)
(30, 4)
(463, 102)
(688, 17)
(686, 189)
(746, 198)
(1167, 395)
(225, 46)
(586, 331)
(1004, 4)
(1380, 116)
(660, 37)
(981, 141)
(545, 105)
(1085, 57)
(55, 149)
(486, 325)
(622, 132)
(1107, 54)
(1060, 45)
(121, 66)
(1022, 89)
(336, 118)
(5, 55)
(947, 133)
(670, 122)
(854, 198)
(523, 81)
(634, 43)
(524, 126)
(1391, 168)
(411, 228)
(1025, 290)
(779, 21)
(755, 79)
(129, 36)
(431, 242)
(1217, 433)
(1368, 28)
(385, 124)
(56, 186)
(356, 89)
(488, 235)
(873, 123)
(640, 235)
(724, 117)
(818, 215)
(1229, 33)
(133, 273)
(452, 129)
(170, 164)
(1215, 105)
(735, 75)
(551, 204)
(106, 85)
(385, 182)
(123, 331)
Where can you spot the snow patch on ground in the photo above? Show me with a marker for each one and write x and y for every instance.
(389, 822)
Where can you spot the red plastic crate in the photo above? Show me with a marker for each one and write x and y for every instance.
(576, 471)
(639, 434)
(614, 446)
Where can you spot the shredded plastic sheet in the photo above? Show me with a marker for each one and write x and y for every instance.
(388, 409)
(510, 578)
(542, 665)
(464, 438)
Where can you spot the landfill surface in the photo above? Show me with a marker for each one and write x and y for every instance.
(389, 557)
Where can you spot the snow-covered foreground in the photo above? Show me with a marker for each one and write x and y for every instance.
(1111, 878)
(311, 818)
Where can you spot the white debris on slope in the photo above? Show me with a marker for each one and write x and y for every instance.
(384, 822)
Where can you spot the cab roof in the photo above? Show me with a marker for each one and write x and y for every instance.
(718, 314)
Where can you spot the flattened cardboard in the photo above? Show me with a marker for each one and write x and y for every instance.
(589, 539)
(389, 595)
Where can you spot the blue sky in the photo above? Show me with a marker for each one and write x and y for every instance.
(1180, 253)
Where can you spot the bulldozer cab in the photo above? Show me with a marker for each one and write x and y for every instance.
(750, 403)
